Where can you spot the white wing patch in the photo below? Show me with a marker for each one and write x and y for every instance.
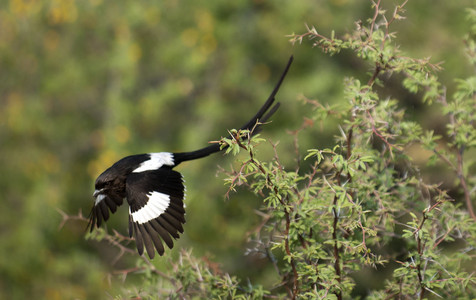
(99, 198)
(155, 161)
(156, 205)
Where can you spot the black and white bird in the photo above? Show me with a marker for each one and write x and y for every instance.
(154, 191)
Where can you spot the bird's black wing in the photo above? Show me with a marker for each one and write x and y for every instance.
(100, 211)
(156, 209)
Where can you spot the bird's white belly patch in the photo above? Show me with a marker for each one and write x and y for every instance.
(156, 205)
(155, 161)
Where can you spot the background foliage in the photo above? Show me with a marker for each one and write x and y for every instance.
(84, 83)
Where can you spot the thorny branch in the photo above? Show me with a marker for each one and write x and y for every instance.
(421, 247)
(116, 240)
(458, 168)
(287, 209)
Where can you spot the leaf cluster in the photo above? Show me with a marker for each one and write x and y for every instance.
(363, 205)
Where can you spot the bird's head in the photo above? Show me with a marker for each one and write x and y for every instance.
(108, 194)
(112, 182)
(109, 184)
(102, 186)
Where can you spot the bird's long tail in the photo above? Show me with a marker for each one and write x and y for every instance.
(253, 124)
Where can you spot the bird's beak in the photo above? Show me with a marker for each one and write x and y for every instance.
(96, 193)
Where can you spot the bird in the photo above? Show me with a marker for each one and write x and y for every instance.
(155, 191)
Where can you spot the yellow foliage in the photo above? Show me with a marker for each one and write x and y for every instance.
(50, 163)
(189, 37)
(201, 36)
(204, 20)
(122, 134)
(25, 8)
(152, 16)
(51, 40)
(14, 110)
(63, 11)
(134, 52)
(104, 161)
(122, 31)
(95, 2)
(208, 44)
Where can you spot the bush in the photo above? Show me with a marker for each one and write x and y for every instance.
(360, 219)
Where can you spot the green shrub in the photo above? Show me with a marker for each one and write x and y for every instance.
(360, 215)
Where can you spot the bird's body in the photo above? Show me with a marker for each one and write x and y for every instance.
(154, 191)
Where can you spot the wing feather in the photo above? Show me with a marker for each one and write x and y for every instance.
(155, 238)
(104, 211)
(100, 210)
(167, 226)
(163, 234)
(156, 211)
(138, 236)
(147, 240)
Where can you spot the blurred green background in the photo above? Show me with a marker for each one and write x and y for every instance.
(84, 83)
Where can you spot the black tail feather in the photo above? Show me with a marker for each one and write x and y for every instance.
(260, 117)
(269, 101)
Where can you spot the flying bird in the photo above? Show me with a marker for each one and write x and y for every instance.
(154, 191)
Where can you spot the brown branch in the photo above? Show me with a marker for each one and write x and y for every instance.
(420, 248)
(295, 289)
(459, 170)
(377, 133)
(66, 217)
(396, 11)
(336, 248)
(288, 252)
(443, 237)
(377, 70)
(445, 159)
(374, 18)
(462, 179)
(116, 240)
